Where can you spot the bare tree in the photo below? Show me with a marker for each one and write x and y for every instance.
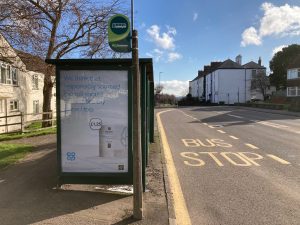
(53, 29)
(260, 81)
(158, 89)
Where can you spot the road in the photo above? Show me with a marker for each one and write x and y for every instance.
(234, 165)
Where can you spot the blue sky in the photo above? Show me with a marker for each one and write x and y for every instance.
(183, 36)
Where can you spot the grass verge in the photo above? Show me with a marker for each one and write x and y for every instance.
(11, 153)
(6, 137)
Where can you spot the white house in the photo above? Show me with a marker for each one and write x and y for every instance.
(21, 87)
(196, 86)
(229, 82)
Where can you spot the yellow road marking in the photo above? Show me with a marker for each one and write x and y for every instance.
(276, 158)
(233, 137)
(181, 212)
(251, 146)
(221, 131)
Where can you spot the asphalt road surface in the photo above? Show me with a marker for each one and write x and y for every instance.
(235, 165)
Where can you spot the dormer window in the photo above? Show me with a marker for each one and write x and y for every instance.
(8, 74)
(14, 75)
(3, 73)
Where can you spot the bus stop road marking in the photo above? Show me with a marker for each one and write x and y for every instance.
(221, 131)
(251, 146)
(181, 212)
(276, 158)
(233, 137)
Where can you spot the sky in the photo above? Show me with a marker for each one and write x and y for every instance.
(183, 36)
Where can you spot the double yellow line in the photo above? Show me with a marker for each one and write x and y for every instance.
(181, 212)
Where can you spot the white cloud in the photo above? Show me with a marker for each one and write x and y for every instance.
(173, 56)
(195, 16)
(164, 40)
(175, 87)
(171, 30)
(156, 54)
(250, 36)
(278, 49)
(165, 44)
(277, 21)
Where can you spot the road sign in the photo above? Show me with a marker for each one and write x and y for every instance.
(119, 33)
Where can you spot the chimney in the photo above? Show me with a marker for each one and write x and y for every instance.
(259, 61)
(238, 59)
(200, 72)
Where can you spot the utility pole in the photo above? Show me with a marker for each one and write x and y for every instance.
(137, 153)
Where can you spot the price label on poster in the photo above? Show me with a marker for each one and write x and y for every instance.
(94, 121)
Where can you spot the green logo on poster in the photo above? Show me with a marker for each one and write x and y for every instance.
(119, 33)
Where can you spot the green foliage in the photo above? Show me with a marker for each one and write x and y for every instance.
(5, 137)
(34, 126)
(11, 153)
(280, 63)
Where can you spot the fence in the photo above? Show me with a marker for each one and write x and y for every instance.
(21, 123)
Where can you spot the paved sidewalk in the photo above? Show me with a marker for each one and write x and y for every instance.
(28, 193)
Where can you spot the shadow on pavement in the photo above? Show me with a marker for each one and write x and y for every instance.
(28, 193)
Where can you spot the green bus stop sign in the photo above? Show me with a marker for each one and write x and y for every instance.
(119, 33)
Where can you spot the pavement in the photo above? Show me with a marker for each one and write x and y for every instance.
(29, 194)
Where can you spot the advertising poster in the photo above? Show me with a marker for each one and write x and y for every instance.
(94, 121)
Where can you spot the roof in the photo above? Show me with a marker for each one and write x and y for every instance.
(147, 62)
(214, 66)
(229, 64)
(253, 65)
(200, 73)
(194, 79)
(33, 63)
(295, 63)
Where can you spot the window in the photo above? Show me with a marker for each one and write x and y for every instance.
(253, 73)
(14, 74)
(36, 106)
(35, 82)
(8, 75)
(3, 73)
(293, 74)
(1, 105)
(14, 105)
(293, 91)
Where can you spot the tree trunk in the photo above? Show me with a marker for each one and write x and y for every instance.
(47, 95)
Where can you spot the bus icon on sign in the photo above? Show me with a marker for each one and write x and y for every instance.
(119, 25)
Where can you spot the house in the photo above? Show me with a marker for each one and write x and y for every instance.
(293, 79)
(196, 86)
(229, 82)
(21, 87)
